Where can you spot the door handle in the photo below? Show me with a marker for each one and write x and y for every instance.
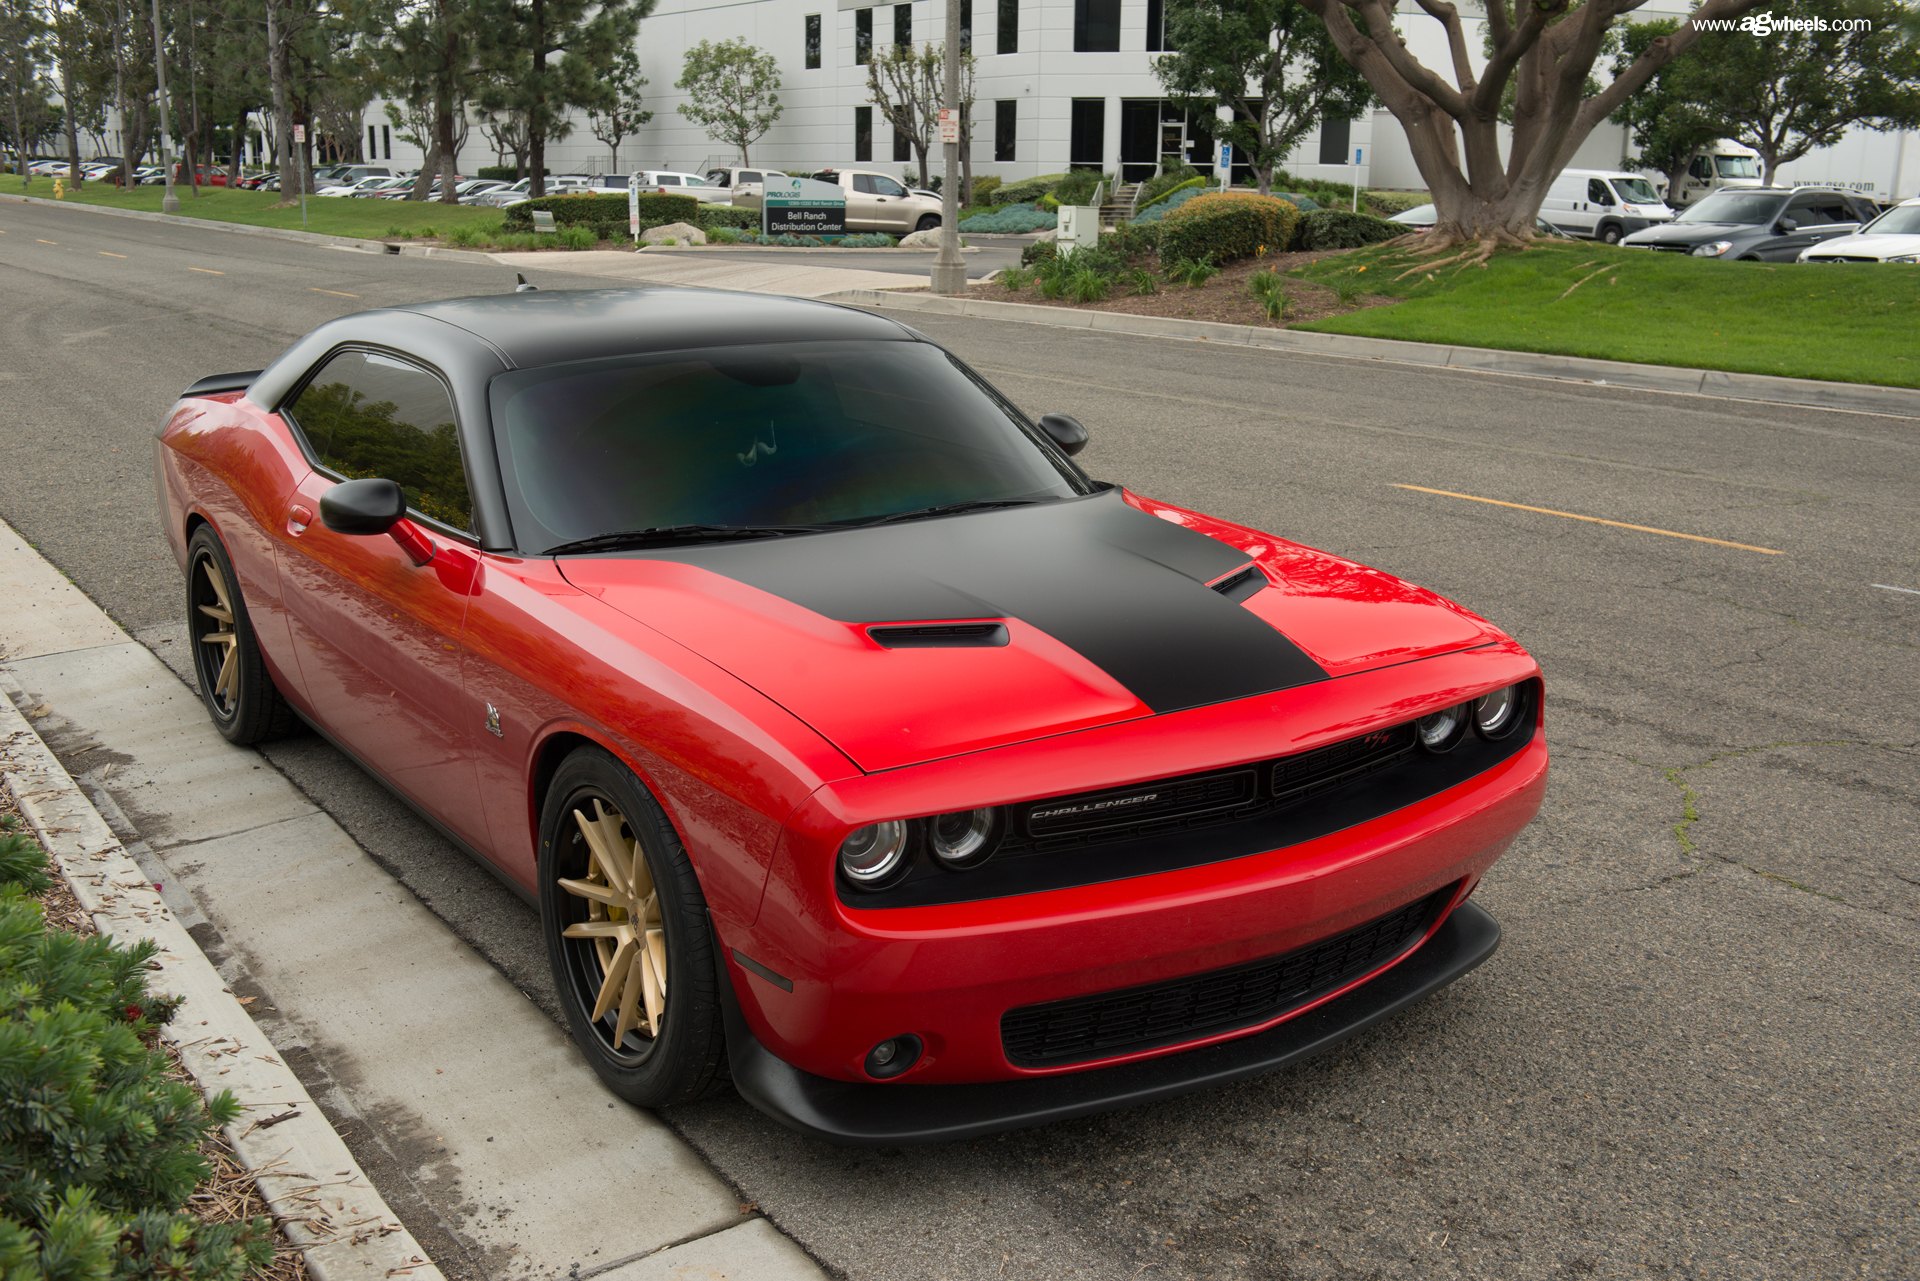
(298, 519)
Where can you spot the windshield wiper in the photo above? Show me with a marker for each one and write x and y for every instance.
(948, 509)
(664, 534)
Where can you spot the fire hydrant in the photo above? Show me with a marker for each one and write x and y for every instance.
(59, 189)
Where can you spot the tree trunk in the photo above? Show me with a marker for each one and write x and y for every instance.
(920, 152)
(423, 181)
(282, 109)
(537, 103)
(73, 129)
(1264, 172)
(449, 155)
(121, 106)
(239, 147)
(613, 159)
(1769, 163)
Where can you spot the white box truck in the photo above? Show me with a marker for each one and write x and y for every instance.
(1714, 168)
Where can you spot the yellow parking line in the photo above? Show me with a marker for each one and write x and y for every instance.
(335, 292)
(207, 271)
(108, 253)
(1596, 520)
(38, 241)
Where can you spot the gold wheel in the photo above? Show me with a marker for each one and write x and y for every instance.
(218, 642)
(622, 927)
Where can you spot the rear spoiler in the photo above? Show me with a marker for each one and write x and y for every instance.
(214, 384)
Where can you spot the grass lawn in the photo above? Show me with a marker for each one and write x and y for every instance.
(332, 215)
(1842, 323)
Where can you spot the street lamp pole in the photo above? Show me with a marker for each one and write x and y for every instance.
(169, 203)
(949, 268)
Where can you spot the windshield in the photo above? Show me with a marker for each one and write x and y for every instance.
(1901, 220)
(1736, 166)
(787, 434)
(1746, 208)
(1636, 191)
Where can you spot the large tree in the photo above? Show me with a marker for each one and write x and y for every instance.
(1271, 62)
(429, 64)
(1801, 80)
(619, 115)
(1667, 121)
(906, 84)
(1545, 50)
(562, 49)
(23, 52)
(732, 92)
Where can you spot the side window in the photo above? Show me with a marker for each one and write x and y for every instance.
(885, 186)
(1597, 192)
(1701, 168)
(370, 415)
(668, 180)
(866, 184)
(1808, 211)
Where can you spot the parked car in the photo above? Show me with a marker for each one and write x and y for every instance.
(1892, 237)
(253, 181)
(1758, 224)
(731, 178)
(1422, 218)
(480, 187)
(1603, 204)
(520, 192)
(673, 183)
(875, 202)
(854, 738)
(355, 186)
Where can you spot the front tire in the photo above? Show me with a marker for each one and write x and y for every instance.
(927, 222)
(1610, 234)
(235, 685)
(628, 936)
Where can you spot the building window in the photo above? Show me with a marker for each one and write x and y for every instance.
(966, 26)
(1096, 26)
(813, 42)
(1334, 135)
(903, 25)
(1156, 25)
(862, 37)
(1008, 40)
(386, 142)
(902, 146)
(1087, 140)
(373, 143)
(863, 135)
(1006, 127)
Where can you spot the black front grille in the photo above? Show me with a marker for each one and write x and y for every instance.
(1201, 1005)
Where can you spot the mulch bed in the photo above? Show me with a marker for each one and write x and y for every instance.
(1225, 298)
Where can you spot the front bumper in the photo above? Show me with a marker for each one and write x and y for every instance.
(880, 1115)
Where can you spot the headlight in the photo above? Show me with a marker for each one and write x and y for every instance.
(1712, 250)
(872, 854)
(1496, 715)
(1442, 731)
(962, 839)
(1905, 258)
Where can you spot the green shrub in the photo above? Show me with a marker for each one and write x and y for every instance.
(1087, 285)
(99, 1144)
(1037, 252)
(1271, 291)
(867, 240)
(603, 207)
(712, 216)
(1014, 279)
(1195, 272)
(577, 237)
(465, 237)
(1348, 288)
(1103, 258)
(1143, 282)
(1172, 177)
(1028, 190)
(1389, 203)
(1133, 239)
(500, 173)
(1228, 227)
(1077, 188)
(725, 236)
(1338, 229)
(1012, 219)
(984, 187)
(1167, 201)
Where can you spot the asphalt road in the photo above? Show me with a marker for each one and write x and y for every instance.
(1696, 1053)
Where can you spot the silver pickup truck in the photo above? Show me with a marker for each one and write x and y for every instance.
(875, 202)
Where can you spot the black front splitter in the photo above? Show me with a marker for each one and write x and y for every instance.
(878, 1115)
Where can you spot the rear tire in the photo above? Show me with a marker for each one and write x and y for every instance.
(927, 222)
(654, 1040)
(238, 691)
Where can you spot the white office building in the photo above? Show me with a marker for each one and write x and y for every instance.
(1059, 84)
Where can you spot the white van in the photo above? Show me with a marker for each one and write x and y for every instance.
(1715, 168)
(1603, 204)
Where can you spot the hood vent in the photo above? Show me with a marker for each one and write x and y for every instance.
(1241, 584)
(941, 636)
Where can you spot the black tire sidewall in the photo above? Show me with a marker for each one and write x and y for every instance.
(252, 713)
(682, 1065)
(928, 222)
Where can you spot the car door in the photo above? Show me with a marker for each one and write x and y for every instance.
(1816, 216)
(378, 636)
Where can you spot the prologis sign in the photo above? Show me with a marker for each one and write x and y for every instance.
(803, 207)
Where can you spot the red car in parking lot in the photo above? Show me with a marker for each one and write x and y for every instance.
(851, 739)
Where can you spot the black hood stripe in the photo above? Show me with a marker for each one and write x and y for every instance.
(1125, 589)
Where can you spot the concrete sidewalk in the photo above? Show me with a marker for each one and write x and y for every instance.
(487, 1134)
(711, 271)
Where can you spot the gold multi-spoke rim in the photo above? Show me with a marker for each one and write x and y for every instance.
(623, 925)
(222, 653)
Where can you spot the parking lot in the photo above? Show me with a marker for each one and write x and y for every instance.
(1695, 1054)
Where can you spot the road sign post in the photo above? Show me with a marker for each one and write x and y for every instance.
(300, 156)
(1359, 158)
(1223, 163)
(633, 207)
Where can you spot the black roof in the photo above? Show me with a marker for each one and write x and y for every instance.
(541, 327)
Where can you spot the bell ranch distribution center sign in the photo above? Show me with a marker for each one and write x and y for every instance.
(803, 207)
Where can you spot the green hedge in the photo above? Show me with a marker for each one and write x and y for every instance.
(603, 209)
(1170, 178)
(1029, 190)
(712, 216)
(99, 1144)
(984, 186)
(1226, 227)
(1167, 201)
(1389, 203)
(1339, 229)
(505, 173)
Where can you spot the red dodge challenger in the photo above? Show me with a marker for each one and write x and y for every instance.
(853, 742)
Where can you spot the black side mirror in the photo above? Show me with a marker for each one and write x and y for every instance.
(1786, 226)
(362, 507)
(1065, 432)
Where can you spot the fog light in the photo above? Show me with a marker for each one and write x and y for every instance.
(962, 839)
(1495, 714)
(893, 1056)
(873, 853)
(1442, 731)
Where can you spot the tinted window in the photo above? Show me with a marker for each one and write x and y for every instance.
(666, 179)
(863, 36)
(885, 186)
(1006, 127)
(1597, 192)
(1701, 167)
(368, 415)
(902, 145)
(1741, 207)
(1819, 211)
(1333, 141)
(862, 137)
(966, 26)
(1096, 26)
(803, 433)
(903, 24)
(1008, 39)
(813, 42)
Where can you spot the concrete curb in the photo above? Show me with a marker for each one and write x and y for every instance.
(1848, 397)
(316, 1190)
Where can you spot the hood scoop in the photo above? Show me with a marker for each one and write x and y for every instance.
(941, 636)
(1240, 584)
